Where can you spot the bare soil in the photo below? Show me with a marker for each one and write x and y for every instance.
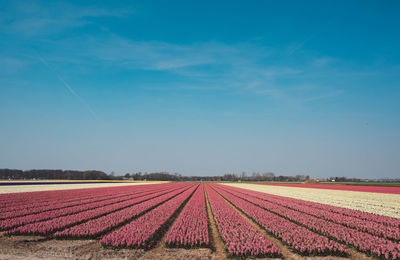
(218, 246)
(35, 247)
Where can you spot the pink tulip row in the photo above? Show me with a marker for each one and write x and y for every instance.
(370, 244)
(384, 220)
(47, 199)
(54, 198)
(349, 215)
(55, 224)
(240, 238)
(96, 227)
(144, 231)
(371, 227)
(14, 222)
(388, 221)
(21, 198)
(68, 206)
(26, 198)
(191, 227)
(302, 240)
(37, 206)
(378, 189)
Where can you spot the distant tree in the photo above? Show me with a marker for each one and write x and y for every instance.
(268, 176)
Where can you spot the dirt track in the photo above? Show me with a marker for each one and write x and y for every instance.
(35, 247)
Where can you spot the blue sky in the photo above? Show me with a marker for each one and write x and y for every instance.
(201, 88)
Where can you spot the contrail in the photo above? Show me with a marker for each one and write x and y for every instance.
(67, 86)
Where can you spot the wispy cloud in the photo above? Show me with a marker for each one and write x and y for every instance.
(325, 96)
(245, 67)
(9, 65)
(42, 18)
(323, 61)
(240, 68)
(295, 47)
(67, 86)
(155, 55)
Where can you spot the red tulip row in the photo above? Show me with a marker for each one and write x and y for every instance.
(298, 238)
(144, 231)
(191, 227)
(55, 224)
(70, 196)
(96, 227)
(14, 222)
(240, 238)
(370, 244)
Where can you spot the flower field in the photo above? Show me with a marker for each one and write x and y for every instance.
(242, 220)
(369, 202)
(377, 189)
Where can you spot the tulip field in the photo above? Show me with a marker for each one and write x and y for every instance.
(235, 220)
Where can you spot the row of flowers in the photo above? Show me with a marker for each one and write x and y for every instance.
(65, 208)
(375, 203)
(55, 224)
(144, 231)
(126, 200)
(96, 227)
(49, 197)
(378, 189)
(384, 220)
(324, 211)
(240, 238)
(191, 227)
(59, 199)
(28, 198)
(302, 240)
(370, 244)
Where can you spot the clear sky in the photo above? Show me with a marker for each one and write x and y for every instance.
(201, 88)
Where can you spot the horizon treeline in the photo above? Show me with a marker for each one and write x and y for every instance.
(47, 174)
(42, 174)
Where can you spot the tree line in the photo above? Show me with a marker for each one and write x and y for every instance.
(255, 176)
(11, 174)
(45, 174)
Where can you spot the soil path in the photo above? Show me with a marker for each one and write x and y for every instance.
(218, 246)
